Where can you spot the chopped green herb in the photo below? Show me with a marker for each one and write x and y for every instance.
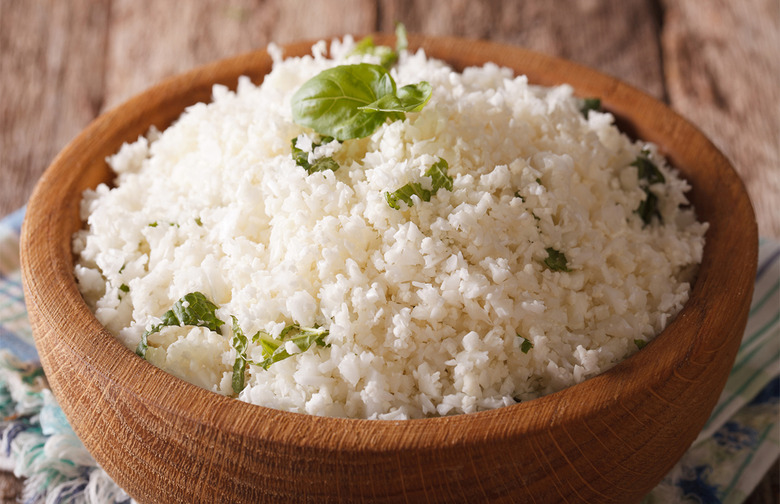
(405, 194)
(526, 345)
(192, 309)
(518, 195)
(239, 343)
(352, 101)
(648, 174)
(155, 224)
(647, 170)
(556, 261)
(538, 181)
(274, 349)
(302, 158)
(198, 221)
(640, 344)
(124, 288)
(439, 178)
(648, 207)
(589, 104)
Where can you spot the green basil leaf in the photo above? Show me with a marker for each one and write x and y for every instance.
(329, 103)
(556, 261)
(410, 98)
(352, 101)
(388, 104)
(192, 309)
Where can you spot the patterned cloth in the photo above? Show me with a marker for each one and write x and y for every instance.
(735, 450)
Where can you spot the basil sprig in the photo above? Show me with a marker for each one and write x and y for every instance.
(439, 179)
(352, 101)
(192, 309)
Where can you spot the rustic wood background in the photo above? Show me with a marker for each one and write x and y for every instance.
(717, 62)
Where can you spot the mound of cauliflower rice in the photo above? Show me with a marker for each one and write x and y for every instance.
(533, 273)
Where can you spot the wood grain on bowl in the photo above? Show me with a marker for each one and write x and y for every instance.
(609, 439)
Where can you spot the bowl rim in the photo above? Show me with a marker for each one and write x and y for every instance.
(666, 356)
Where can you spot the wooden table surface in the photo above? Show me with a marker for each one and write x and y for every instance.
(717, 62)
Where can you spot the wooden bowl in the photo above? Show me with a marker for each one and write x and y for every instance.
(609, 439)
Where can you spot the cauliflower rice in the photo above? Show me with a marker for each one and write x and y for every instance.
(440, 308)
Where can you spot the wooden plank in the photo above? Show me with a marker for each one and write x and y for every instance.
(48, 94)
(145, 47)
(722, 66)
(618, 37)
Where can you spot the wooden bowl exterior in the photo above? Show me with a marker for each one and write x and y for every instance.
(609, 439)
